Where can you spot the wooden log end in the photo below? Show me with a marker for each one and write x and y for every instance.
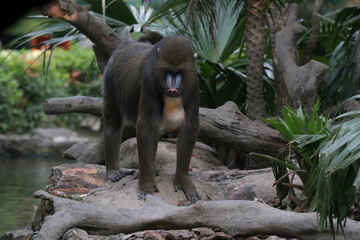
(60, 9)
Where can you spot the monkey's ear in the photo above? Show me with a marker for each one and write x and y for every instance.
(158, 50)
(195, 55)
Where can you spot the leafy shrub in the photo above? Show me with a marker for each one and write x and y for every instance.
(325, 157)
(304, 132)
(28, 77)
(339, 174)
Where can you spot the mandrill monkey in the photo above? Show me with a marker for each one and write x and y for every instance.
(156, 88)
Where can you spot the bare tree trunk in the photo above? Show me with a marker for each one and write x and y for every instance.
(314, 32)
(255, 43)
(295, 85)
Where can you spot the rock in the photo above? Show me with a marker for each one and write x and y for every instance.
(21, 234)
(91, 153)
(124, 192)
(89, 182)
(204, 234)
(43, 141)
(91, 122)
(75, 180)
(203, 158)
(242, 184)
(268, 238)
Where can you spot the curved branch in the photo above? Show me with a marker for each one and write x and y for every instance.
(92, 27)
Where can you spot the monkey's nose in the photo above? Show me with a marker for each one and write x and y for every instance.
(173, 92)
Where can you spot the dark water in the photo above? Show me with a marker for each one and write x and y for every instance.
(19, 178)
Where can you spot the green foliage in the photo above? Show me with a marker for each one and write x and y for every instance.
(27, 80)
(339, 174)
(12, 96)
(304, 132)
(326, 158)
(342, 81)
(338, 46)
(222, 71)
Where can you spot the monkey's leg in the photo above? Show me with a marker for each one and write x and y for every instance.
(147, 136)
(112, 140)
(185, 144)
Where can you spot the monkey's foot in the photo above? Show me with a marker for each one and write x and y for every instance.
(185, 184)
(146, 188)
(116, 175)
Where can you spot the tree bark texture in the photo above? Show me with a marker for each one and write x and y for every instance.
(225, 125)
(295, 85)
(310, 46)
(76, 104)
(235, 217)
(255, 43)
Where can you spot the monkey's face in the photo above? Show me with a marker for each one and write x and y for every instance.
(173, 83)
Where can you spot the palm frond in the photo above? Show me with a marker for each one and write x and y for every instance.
(342, 80)
(339, 159)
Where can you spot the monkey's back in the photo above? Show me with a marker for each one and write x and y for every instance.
(122, 78)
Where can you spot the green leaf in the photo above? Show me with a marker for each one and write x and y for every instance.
(276, 160)
(115, 9)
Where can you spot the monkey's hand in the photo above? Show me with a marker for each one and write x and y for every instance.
(116, 175)
(185, 184)
(146, 188)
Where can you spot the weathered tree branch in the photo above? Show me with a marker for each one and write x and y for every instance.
(225, 125)
(295, 85)
(235, 217)
(77, 104)
(310, 46)
(105, 39)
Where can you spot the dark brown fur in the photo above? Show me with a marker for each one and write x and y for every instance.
(134, 91)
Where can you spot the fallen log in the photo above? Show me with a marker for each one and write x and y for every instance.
(225, 125)
(235, 217)
(76, 104)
